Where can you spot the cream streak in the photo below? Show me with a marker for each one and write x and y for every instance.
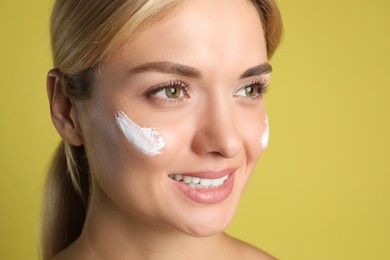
(265, 136)
(147, 140)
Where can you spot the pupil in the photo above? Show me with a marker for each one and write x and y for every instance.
(249, 91)
(173, 92)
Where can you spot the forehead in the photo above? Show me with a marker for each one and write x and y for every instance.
(207, 34)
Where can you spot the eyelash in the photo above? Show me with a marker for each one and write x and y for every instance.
(261, 86)
(170, 84)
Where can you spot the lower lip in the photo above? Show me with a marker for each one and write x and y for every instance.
(208, 195)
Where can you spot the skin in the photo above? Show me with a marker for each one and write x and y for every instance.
(135, 211)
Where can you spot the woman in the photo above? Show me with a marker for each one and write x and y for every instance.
(161, 111)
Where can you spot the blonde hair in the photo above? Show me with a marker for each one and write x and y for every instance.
(84, 34)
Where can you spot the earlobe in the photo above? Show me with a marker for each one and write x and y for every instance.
(63, 113)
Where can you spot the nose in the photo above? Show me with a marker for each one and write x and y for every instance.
(217, 130)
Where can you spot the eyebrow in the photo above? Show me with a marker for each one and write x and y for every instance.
(175, 68)
(261, 69)
(168, 67)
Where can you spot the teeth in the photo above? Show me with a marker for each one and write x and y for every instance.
(196, 182)
(202, 187)
(218, 182)
(192, 185)
(187, 179)
(205, 182)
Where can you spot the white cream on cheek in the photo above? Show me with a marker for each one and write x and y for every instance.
(147, 140)
(265, 137)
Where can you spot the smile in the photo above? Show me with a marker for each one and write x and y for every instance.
(205, 187)
(196, 182)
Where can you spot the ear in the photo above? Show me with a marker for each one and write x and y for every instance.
(63, 112)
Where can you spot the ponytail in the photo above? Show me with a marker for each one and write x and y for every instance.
(65, 199)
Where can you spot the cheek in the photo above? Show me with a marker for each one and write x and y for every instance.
(265, 134)
(177, 138)
(255, 133)
(113, 156)
(104, 151)
(146, 140)
(120, 170)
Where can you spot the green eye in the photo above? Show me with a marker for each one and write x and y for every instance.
(250, 91)
(173, 92)
(253, 90)
(170, 91)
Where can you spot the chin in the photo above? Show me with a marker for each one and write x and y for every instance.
(206, 231)
(207, 220)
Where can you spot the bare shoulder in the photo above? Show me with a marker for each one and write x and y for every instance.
(246, 251)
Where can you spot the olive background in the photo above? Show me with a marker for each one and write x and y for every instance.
(322, 188)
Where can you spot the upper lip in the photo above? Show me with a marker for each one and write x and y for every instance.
(209, 174)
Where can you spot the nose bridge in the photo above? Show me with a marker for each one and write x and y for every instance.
(217, 128)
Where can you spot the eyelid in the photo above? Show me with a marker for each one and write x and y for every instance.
(263, 79)
(171, 83)
(153, 91)
(261, 84)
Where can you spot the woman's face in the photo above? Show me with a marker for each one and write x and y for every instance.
(196, 76)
